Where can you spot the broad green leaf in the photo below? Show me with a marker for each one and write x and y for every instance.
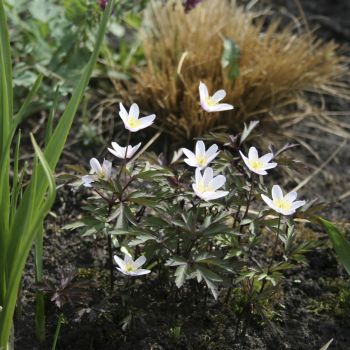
(181, 273)
(340, 244)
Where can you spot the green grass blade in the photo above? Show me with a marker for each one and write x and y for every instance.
(40, 193)
(39, 297)
(6, 105)
(15, 179)
(31, 230)
(340, 244)
(6, 98)
(48, 130)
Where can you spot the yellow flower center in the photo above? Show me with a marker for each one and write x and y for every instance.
(201, 160)
(103, 174)
(210, 102)
(282, 204)
(134, 122)
(202, 188)
(129, 267)
(256, 164)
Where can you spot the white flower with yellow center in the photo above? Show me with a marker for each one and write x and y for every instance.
(98, 172)
(123, 152)
(201, 158)
(206, 186)
(131, 120)
(285, 205)
(211, 103)
(130, 267)
(256, 164)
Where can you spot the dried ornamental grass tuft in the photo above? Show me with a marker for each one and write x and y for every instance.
(262, 67)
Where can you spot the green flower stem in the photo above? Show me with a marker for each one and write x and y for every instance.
(110, 248)
(57, 332)
(249, 199)
(124, 160)
(273, 254)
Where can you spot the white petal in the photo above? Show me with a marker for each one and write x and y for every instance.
(147, 121)
(212, 150)
(135, 149)
(123, 113)
(189, 154)
(298, 204)
(198, 176)
(119, 151)
(291, 196)
(118, 154)
(107, 167)
(119, 261)
(209, 159)
(117, 147)
(245, 159)
(219, 95)
(192, 162)
(140, 261)
(208, 196)
(200, 148)
(218, 181)
(95, 165)
(276, 192)
(221, 107)
(195, 190)
(287, 212)
(270, 166)
(128, 259)
(140, 272)
(203, 91)
(268, 201)
(208, 176)
(253, 153)
(266, 157)
(259, 172)
(134, 111)
(88, 179)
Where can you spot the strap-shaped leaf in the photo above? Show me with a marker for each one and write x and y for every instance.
(37, 215)
(340, 244)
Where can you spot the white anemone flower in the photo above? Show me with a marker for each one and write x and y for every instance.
(131, 120)
(123, 152)
(256, 164)
(201, 158)
(97, 172)
(130, 267)
(206, 186)
(285, 205)
(211, 103)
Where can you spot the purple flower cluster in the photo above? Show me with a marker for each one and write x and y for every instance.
(190, 4)
(102, 3)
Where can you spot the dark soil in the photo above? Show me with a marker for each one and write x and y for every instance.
(314, 301)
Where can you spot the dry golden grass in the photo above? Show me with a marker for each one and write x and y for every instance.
(277, 67)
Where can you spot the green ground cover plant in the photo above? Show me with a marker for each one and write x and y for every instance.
(202, 218)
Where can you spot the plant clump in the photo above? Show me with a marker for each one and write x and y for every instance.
(265, 69)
